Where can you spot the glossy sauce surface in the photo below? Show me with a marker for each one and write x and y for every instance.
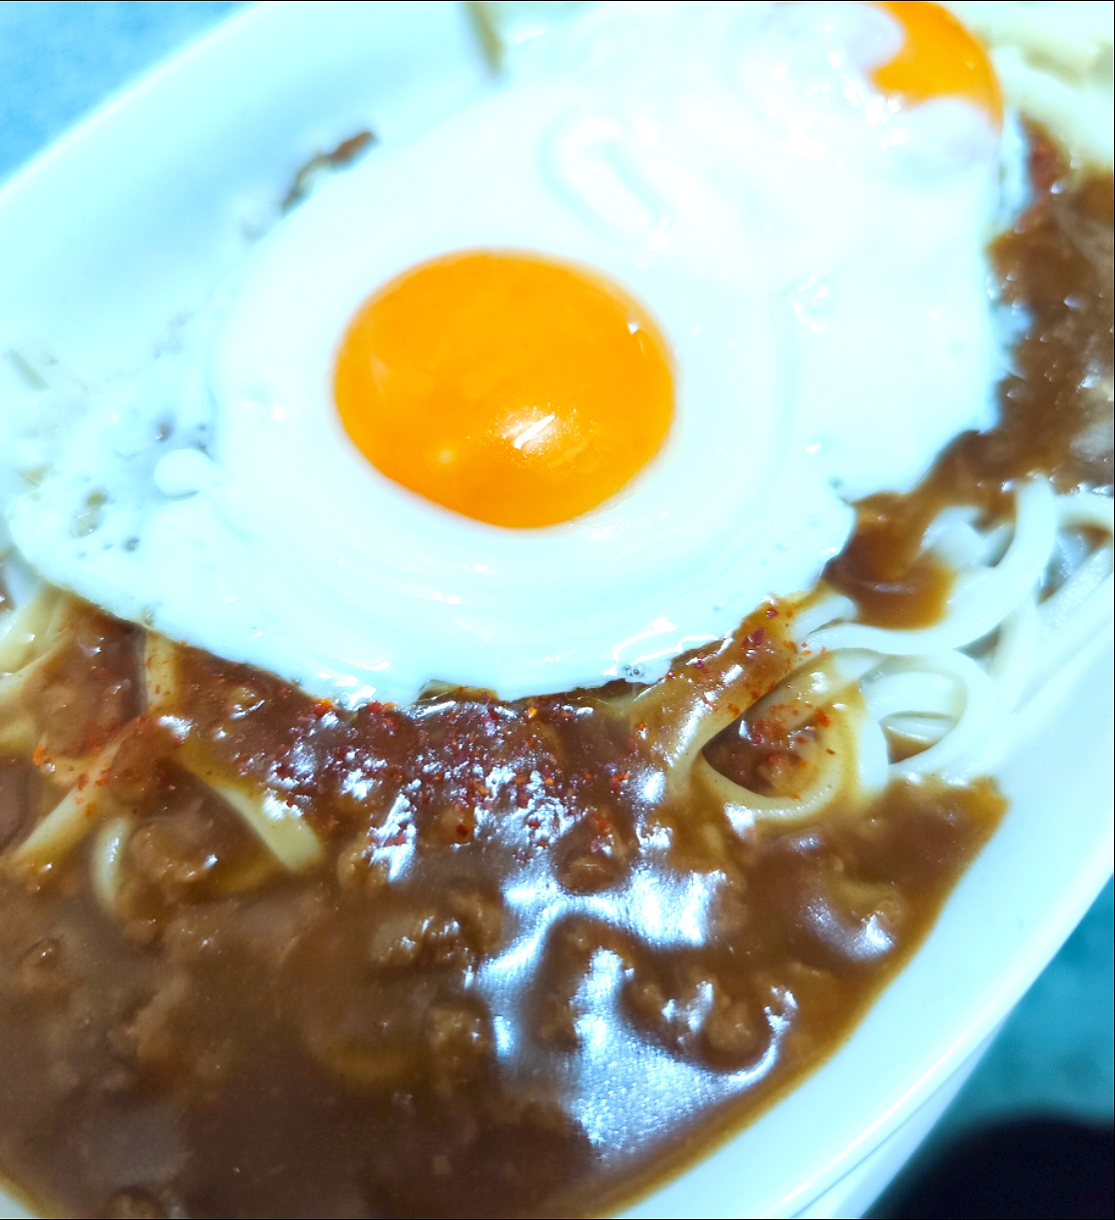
(524, 976)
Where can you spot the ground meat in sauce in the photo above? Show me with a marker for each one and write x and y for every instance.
(222, 1037)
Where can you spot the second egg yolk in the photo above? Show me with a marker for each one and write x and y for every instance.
(512, 389)
(939, 58)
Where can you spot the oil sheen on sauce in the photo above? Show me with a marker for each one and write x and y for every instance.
(511, 920)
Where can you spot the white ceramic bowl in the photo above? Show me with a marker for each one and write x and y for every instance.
(134, 217)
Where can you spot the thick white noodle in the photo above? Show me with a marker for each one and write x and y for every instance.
(1087, 583)
(278, 824)
(1059, 641)
(1084, 508)
(1015, 651)
(22, 630)
(160, 672)
(873, 769)
(811, 687)
(28, 638)
(852, 762)
(31, 633)
(949, 684)
(1042, 633)
(982, 596)
(106, 862)
(75, 815)
(829, 609)
(743, 807)
(920, 684)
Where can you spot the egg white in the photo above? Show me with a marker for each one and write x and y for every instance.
(814, 261)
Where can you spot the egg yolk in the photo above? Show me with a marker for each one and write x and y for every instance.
(939, 58)
(509, 388)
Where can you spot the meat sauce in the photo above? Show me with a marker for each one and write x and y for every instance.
(504, 913)
(1055, 266)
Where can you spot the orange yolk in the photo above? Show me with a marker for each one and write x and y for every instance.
(939, 58)
(506, 387)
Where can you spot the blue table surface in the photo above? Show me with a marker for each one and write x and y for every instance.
(58, 61)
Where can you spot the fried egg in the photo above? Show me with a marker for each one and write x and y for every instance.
(567, 385)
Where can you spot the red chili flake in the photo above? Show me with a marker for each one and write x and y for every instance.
(39, 757)
(396, 840)
(619, 780)
(697, 663)
(772, 612)
(534, 821)
(823, 720)
(82, 780)
(463, 831)
(733, 709)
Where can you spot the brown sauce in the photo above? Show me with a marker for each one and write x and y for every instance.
(1055, 407)
(514, 913)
